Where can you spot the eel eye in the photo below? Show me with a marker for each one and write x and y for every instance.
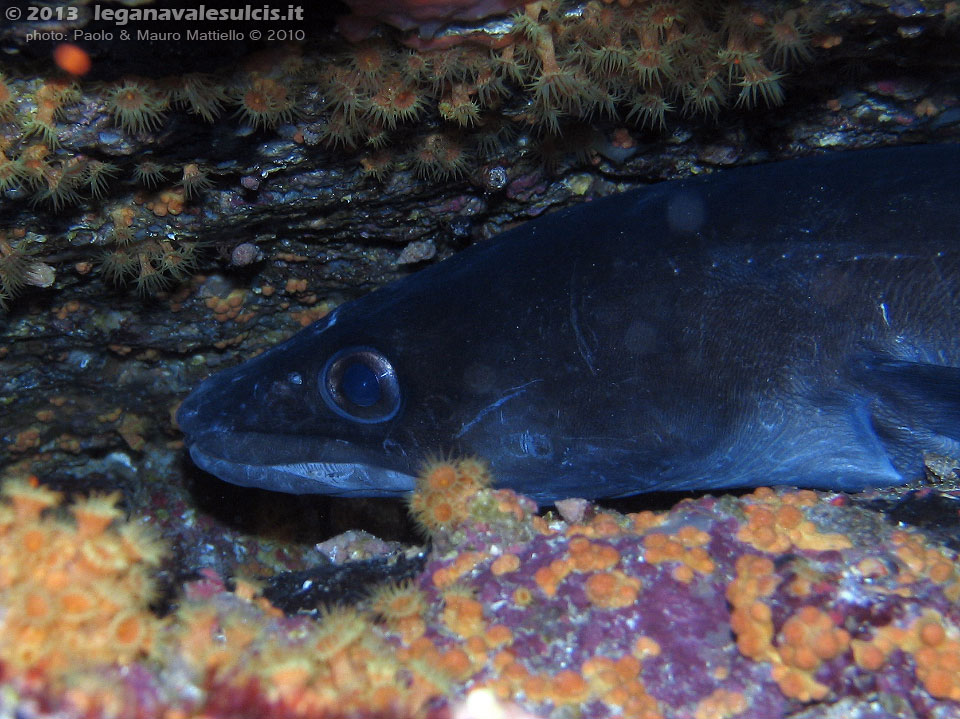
(359, 383)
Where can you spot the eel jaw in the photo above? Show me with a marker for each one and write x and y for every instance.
(296, 465)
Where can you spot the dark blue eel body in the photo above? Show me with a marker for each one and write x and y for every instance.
(790, 323)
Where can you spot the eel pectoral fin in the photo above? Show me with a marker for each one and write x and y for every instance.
(927, 394)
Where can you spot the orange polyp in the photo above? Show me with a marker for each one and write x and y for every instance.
(33, 541)
(569, 687)
(794, 632)
(646, 647)
(765, 536)
(617, 696)
(579, 545)
(690, 536)
(611, 590)
(588, 556)
(289, 677)
(941, 570)
(792, 685)
(721, 704)
(498, 635)
(522, 596)
(474, 471)
(625, 595)
(441, 477)
(94, 514)
(536, 688)
(398, 601)
(128, 630)
(600, 586)
(476, 647)
(803, 497)
(699, 559)
(627, 667)
(501, 660)
(804, 658)
(515, 672)
(423, 648)
(456, 663)
(546, 580)
(760, 516)
(789, 516)
(754, 565)
(504, 564)
(442, 578)
(829, 644)
(868, 656)
(759, 612)
(940, 684)
(76, 603)
(443, 512)
(410, 628)
(56, 580)
(36, 606)
(673, 550)
(369, 58)
(582, 562)
(464, 617)
(750, 644)
(950, 658)
(596, 665)
(28, 497)
(90, 524)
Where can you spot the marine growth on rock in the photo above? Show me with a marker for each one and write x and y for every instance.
(768, 605)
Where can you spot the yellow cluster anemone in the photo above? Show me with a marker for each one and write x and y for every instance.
(444, 491)
(74, 593)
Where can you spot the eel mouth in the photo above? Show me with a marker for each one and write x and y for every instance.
(296, 464)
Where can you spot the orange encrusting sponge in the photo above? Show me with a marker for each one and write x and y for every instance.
(931, 639)
(776, 523)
